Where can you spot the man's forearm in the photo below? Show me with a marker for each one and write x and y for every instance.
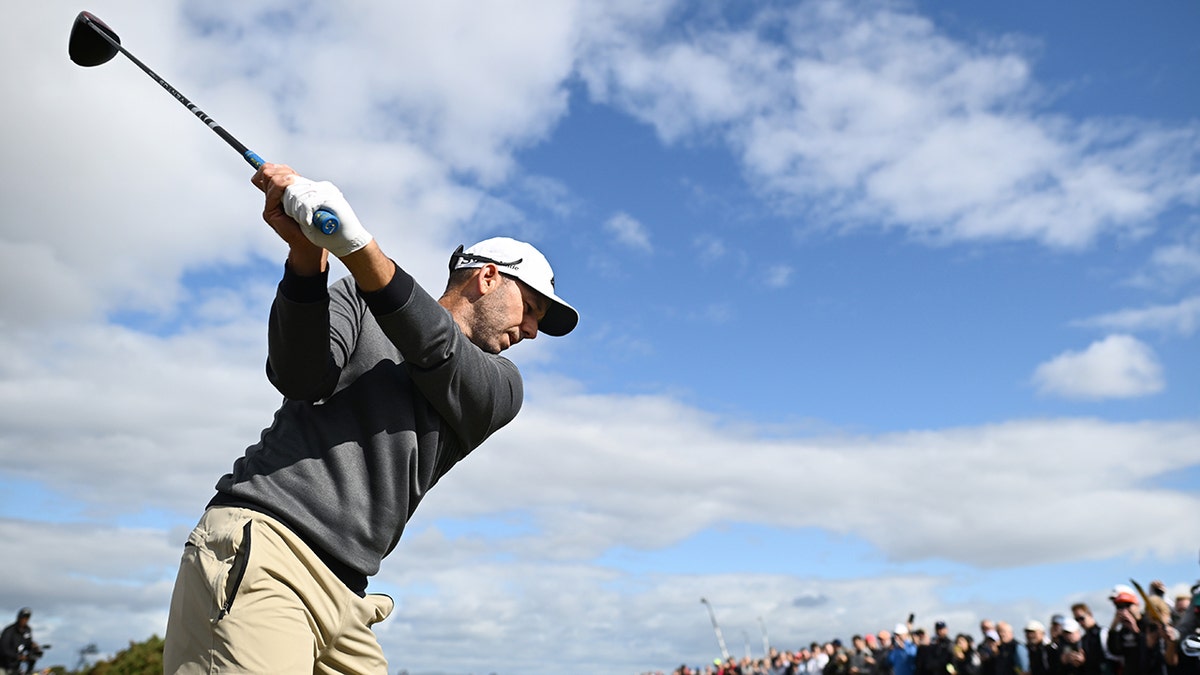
(372, 270)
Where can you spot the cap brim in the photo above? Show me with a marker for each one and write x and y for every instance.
(560, 318)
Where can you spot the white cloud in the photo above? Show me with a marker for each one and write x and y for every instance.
(406, 106)
(153, 194)
(778, 276)
(1181, 318)
(1171, 266)
(635, 473)
(710, 248)
(880, 118)
(629, 232)
(640, 474)
(1119, 366)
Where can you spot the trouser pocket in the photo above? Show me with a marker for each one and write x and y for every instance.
(237, 570)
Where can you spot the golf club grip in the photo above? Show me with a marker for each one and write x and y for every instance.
(323, 218)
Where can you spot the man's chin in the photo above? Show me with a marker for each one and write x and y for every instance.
(493, 346)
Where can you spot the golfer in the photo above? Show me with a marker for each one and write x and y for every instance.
(385, 389)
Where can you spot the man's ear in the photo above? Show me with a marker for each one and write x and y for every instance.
(488, 279)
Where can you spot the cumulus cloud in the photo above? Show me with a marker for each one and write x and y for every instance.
(1171, 266)
(1181, 318)
(623, 458)
(643, 474)
(629, 232)
(1119, 366)
(871, 112)
(396, 139)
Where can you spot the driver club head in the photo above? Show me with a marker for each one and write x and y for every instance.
(88, 46)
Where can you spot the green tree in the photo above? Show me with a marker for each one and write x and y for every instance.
(142, 658)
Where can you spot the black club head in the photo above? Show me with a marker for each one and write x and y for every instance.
(88, 46)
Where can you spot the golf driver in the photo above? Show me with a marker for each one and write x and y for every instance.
(93, 43)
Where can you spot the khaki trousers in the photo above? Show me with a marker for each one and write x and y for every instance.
(251, 597)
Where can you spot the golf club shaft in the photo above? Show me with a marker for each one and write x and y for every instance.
(326, 220)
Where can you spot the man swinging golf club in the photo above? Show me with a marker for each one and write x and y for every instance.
(385, 389)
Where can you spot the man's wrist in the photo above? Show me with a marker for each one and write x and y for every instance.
(307, 261)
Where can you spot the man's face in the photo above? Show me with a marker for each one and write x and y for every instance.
(1034, 637)
(1182, 603)
(1084, 618)
(985, 626)
(1124, 613)
(507, 315)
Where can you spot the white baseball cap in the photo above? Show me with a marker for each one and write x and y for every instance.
(521, 261)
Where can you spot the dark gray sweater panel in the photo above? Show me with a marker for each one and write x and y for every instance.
(376, 411)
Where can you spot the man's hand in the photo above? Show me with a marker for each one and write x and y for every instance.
(371, 269)
(304, 257)
(303, 198)
(1125, 617)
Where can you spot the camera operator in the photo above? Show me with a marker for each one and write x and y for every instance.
(18, 651)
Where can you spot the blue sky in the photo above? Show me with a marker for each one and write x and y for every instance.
(887, 307)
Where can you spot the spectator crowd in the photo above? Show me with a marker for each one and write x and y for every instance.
(1161, 638)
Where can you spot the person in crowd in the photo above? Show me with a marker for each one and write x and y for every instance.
(18, 650)
(1094, 641)
(818, 660)
(1056, 642)
(862, 661)
(987, 647)
(1072, 654)
(1183, 601)
(1124, 632)
(1011, 656)
(730, 667)
(965, 658)
(780, 663)
(839, 659)
(903, 655)
(883, 646)
(1042, 652)
(1184, 624)
(941, 652)
(1158, 600)
(923, 663)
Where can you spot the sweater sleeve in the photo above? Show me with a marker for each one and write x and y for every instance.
(304, 358)
(475, 392)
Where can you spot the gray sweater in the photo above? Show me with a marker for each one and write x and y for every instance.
(383, 394)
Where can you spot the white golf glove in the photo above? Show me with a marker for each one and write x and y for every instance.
(304, 197)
